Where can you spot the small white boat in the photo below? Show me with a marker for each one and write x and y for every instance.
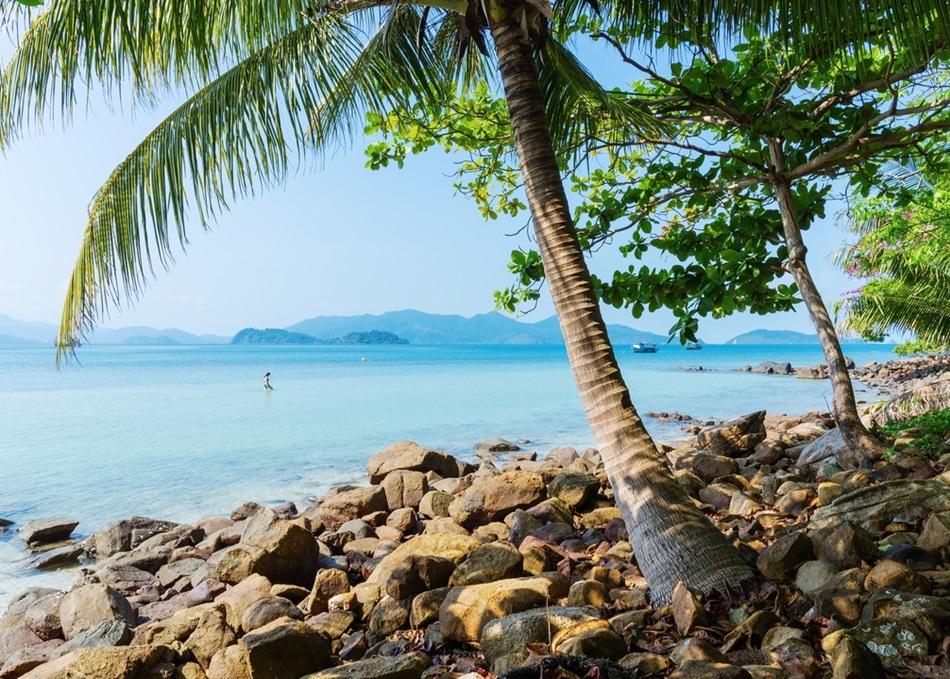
(693, 346)
(644, 348)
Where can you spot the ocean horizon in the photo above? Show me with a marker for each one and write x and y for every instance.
(183, 432)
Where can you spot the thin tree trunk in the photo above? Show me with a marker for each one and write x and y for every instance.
(671, 538)
(866, 446)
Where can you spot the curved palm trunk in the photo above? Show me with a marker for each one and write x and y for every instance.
(671, 538)
(856, 435)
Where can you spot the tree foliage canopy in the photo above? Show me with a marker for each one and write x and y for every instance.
(701, 192)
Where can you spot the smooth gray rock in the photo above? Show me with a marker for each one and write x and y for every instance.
(45, 531)
(54, 558)
(108, 633)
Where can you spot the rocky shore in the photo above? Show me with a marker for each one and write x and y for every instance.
(443, 569)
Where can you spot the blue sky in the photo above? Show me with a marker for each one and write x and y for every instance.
(342, 240)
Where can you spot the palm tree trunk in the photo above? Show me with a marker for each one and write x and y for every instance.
(673, 541)
(862, 442)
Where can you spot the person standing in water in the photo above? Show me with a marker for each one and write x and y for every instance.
(267, 386)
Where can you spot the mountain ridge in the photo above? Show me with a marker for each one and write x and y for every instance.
(762, 336)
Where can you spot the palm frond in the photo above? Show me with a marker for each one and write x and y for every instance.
(580, 110)
(392, 67)
(914, 403)
(133, 48)
(808, 25)
(236, 135)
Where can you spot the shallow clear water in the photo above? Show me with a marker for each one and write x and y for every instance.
(183, 432)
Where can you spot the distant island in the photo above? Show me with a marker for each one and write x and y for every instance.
(279, 336)
(392, 327)
(783, 337)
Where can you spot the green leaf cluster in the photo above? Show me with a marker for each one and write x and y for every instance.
(902, 255)
(929, 433)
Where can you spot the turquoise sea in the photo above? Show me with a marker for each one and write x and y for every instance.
(184, 432)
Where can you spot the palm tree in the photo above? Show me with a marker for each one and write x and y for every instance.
(902, 249)
(273, 78)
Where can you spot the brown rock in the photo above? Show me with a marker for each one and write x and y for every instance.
(351, 503)
(709, 466)
(388, 616)
(848, 546)
(242, 595)
(574, 488)
(230, 663)
(404, 488)
(408, 666)
(425, 607)
(492, 499)
(593, 639)
(89, 605)
(266, 610)
(495, 561)
(416, 573)
(412, 457)
(504, 641)
(688, 611)
(936, 532)
(734, 437)
(453, 547)
(285, 649)
(435, 504)
(114, 662)
(466, 610)
(893, 575)
(778, 560)
(46, 531)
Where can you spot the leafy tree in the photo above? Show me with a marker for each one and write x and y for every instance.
(903, 251)
(271, 79)
(755, 142)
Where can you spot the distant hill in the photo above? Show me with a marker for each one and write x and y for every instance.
(782, 337)
(12, 339)
(141, 334)
(421, 328)
(278, 336)
(16, 331)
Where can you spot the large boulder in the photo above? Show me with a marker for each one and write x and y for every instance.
(446, 545)
(408, 666)
(240, 597)
(45, 531)
(904, 498)
(773, 368)
(351, 503)
(121, 536)
(574, 488)
(830, 447)
(404, 488)
(290, 552)
(108, 633)
(279, 549)
(735, 437)
(494, 498)
(418, 573)
(466, 610)
(494, 561)
(412, 457)
(203, 630)
(110, 662)
(435, 504)
(92, 604)
(285, 649)
(504, 641)
(42, 616)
